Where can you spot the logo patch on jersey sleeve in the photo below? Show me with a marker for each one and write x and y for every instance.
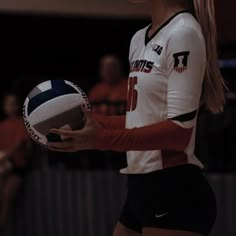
(181, 61)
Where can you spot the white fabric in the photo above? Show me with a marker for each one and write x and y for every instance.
(166, 91)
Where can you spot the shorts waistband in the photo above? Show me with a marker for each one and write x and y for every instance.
(182, 171)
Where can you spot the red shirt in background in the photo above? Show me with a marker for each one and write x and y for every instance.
(109, 99)
(14, 139)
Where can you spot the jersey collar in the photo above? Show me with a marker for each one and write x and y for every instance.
(148, 39)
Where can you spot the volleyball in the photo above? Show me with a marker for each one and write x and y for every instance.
(54, 104)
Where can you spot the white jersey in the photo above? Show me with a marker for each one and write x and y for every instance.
(165, 82)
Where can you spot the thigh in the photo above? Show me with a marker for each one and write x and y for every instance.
(121, 230)
(165, 232)
(128, 219)
(179, 200)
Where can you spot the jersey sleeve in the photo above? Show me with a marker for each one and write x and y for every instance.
(185, 69)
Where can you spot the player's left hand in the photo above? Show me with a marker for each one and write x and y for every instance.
(84, 139)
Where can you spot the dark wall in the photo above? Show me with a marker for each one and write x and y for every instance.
(70, 46)
(226, 19)
(41, 45)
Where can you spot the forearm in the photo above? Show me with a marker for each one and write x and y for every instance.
(165, 135)
(111, 122)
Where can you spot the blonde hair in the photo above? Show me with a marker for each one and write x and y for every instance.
(213, 86)
(213, 96)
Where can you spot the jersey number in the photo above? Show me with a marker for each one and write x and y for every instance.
(132, 94)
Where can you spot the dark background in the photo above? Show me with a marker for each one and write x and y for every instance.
(43, 46)
(38, 46)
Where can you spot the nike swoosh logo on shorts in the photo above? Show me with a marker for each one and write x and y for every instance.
(161, 215)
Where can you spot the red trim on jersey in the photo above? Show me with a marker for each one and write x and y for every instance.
(110, 122)
(180, 69)
(173, 158)
(165, 135)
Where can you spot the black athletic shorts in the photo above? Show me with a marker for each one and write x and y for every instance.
(177, 198)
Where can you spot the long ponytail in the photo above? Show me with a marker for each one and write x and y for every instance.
(213, 88)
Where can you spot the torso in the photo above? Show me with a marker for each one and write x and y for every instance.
(148, 86)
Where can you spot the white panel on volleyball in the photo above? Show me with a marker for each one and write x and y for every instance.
(47, 85)
(54, 107)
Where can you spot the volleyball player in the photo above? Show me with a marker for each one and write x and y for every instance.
(173, 70)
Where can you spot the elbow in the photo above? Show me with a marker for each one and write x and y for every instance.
(182, 138)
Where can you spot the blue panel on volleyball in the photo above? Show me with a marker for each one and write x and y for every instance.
(59, 88)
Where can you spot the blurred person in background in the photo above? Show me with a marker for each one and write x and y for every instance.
(109, 96)
(15, 147)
